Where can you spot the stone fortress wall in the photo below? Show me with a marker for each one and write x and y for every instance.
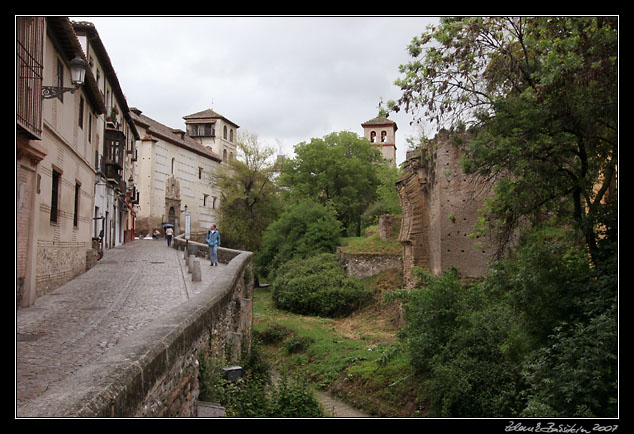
(440, 207)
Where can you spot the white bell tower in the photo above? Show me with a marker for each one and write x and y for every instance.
(381, 132)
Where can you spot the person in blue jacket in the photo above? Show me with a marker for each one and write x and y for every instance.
(213, 241)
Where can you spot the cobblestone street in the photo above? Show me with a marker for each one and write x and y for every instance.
(77, 323)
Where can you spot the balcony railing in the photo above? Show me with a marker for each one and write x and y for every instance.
(109, 169)
(114, 148)
(29, 61)
(133, 194)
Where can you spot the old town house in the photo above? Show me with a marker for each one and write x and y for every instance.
(115, 191)
(61, 108)
(175, 170)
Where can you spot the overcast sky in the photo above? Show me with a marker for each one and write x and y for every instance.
(285, 79)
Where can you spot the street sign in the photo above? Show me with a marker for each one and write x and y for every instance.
(188, 224)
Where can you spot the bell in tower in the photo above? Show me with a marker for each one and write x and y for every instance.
(214, 131)
(381, 132)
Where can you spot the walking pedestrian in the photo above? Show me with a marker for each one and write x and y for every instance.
(168, 234)
(213, 241)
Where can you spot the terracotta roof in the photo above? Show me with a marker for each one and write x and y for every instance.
(379, 120)
(208, 114)
(175, 136)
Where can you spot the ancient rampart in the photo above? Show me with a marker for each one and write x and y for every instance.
(440, 206)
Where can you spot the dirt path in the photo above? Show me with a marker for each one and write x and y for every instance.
(335, 408)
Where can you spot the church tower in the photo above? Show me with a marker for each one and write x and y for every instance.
(214, 131)
(381, 132)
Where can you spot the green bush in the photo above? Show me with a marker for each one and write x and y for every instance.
(273, 333)
(294, 399)
(318, 285)
(432, 314)
(455, 332)
(547, 281)
(254, 395)
(537, 338)
(297, 344)
(472, 377)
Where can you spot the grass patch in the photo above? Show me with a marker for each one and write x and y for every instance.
(372, 243)
(358, 358)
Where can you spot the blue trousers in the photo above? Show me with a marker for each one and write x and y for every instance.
(213, 254)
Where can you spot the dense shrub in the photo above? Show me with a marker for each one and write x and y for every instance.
(577, 375)
(294, 399)
(536, 338)
(255, 395)
(297, 344)
(273, 333)
(318, 285)
(547, 281)
(575, 372)
(303, 229)
(456, 339)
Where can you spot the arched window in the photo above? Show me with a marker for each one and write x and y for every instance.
(231, 135)
(224, 155)
(383, 136)
(224, 132)
(372, 136)
(173, 160)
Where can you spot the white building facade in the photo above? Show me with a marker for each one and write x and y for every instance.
(381, 132)
(60, 132)
(174, 174)
(115, 193)
(213, 131)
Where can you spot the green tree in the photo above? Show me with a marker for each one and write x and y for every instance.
(540, 96)
(303, 229)
(387, 200)
(546, 281)
(339, 169)
(577, 375)
(455, 332)
(249, 196)
(565, 326)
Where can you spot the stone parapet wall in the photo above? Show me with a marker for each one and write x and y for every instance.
(197, 247)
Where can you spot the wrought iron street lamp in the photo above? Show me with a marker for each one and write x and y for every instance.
(78, 68)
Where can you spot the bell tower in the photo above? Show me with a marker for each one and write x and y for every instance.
(381, 132)
(214, 131)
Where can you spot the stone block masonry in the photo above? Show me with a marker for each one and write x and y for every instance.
(440, 205)
(360, 265)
